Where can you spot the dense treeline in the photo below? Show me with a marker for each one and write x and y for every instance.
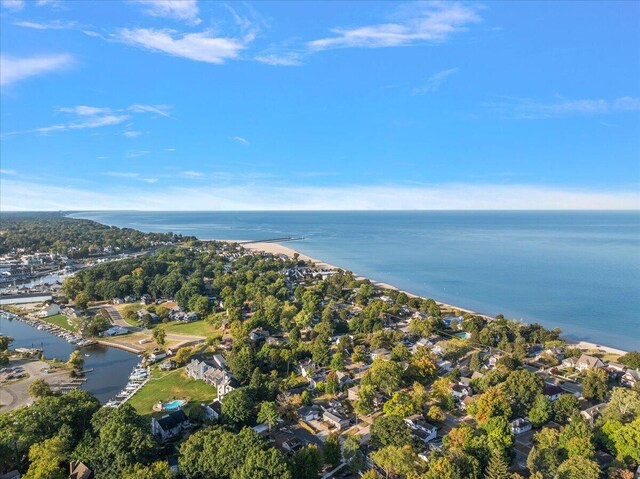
(53, 232)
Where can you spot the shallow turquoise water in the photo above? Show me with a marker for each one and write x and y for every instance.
(576, 270)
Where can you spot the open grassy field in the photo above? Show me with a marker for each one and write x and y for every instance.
(61, 321)
(168, 386)
(196, 328)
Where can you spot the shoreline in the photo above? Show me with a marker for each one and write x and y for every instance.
(277, 248)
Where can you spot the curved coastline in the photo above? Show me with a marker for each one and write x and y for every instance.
(276, 248)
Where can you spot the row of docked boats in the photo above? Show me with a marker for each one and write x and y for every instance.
(68, 336)
(138, 378)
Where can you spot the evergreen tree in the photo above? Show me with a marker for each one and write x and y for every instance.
(497, 467)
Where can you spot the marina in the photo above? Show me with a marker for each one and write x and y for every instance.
(110, 367)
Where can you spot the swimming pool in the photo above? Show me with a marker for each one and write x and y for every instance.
(175, 404)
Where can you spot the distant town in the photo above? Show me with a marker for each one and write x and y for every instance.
(259, 364)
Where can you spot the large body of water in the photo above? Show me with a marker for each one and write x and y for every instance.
(579, 271)
(111, 367)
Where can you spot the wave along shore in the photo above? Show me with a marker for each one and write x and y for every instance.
(276, 248)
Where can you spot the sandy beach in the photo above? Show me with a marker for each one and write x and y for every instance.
(277, 248)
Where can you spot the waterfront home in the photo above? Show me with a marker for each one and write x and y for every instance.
(168, 365)
(616, 368)
(156, 355)
(421, 429)
(630, 377)
(49, 310)
(220, 379)
(114, 331)
(520, 425)
(170, 425)
(584, 362)
(79, 470)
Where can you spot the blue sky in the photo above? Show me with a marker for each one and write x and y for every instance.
(319, 105)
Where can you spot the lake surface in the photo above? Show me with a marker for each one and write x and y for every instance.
(111, 366)
(579, 271)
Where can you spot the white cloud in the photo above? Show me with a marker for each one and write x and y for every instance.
(131, 175)
(14, 5)
(185, 10)
(161, 110)
(193, 174)
(203, 46)
(414, 23)
(280, 59)
(14, 69)
(137, 153)
(84, 110)
(239, 139)
(21, 195)
(95, 117)
(434, 82)
(170, 149)
(96, 122)
(527, 109)
(8, 172)
(53, 25)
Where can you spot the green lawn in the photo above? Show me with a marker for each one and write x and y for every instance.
(196, 328)
(61, 321)
(131, 321)
(172, 385)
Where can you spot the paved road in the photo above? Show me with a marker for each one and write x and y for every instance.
(16, 394)
(118, 320)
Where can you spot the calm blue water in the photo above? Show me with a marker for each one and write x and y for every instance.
(579, 271)
(111, 367)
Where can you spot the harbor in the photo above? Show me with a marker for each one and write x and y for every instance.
(109, 367)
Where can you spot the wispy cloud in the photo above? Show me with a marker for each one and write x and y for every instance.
(203, 46)
(162, 110)
(239, 139)
(433, 82)
(13, 69)
(8, 172)
(193, 174)
(137, 153)
(131, 175)
(97, 116)
(131, 133)
(52, 25)
(280, 59)
(84, 110)
(411, 24)
(15, 5)
(528, 109)
(38, 196)
(171, 150)
(185, 10)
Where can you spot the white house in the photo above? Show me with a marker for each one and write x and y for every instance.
(520, 425)
(421, 429)
(49, 310)
(170, 425)
(334, 418)
(552, 392)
